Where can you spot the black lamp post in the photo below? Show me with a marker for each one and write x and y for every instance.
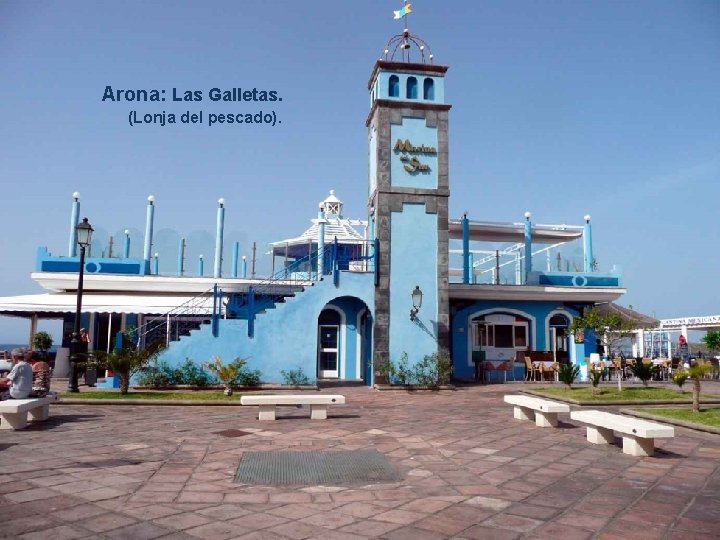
(417, 297)
(84, 235)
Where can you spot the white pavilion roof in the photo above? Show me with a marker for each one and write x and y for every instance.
(342, 229)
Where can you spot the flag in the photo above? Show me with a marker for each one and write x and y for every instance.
(402, 12)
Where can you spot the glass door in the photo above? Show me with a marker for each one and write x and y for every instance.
(328, 351)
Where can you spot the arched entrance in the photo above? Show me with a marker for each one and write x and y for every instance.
(344, 342)
(559, 337)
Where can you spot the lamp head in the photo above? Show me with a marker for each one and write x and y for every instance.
(84, 233)
(528, 215)
(417, 296)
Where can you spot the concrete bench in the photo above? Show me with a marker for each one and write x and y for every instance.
(14, 412)
(318, 403)
(545, 411)
(638, 435)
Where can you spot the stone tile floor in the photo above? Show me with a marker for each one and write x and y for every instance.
(471, 471)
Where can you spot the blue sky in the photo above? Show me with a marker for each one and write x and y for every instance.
(561, 108)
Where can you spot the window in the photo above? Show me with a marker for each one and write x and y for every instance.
(411, 88)
(428, 89)
(394, 86)
(501, 335)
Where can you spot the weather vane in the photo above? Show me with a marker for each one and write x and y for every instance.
(401, 44)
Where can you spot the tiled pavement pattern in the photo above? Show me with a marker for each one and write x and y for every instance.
(470, 470)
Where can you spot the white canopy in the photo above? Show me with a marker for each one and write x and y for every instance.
(93, 302)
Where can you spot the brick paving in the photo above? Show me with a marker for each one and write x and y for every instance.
(470, 471)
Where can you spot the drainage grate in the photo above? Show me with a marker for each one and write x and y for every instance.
(315, 468)
(232, 433)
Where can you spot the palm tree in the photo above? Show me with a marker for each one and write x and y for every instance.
(696, 372)
(127, 361)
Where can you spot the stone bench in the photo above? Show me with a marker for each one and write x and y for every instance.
(638, 435)
(14, 412)
(545, 411)
(267, 403)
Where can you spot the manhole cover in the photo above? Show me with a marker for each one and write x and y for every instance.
(315, 468)
(232, 433)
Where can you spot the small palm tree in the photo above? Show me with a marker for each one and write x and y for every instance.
(644, 371)
(696, 372)
(595, 376)
(229, 373)
(568, 373)
(128, 361)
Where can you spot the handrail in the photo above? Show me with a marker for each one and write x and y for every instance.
(193, 310)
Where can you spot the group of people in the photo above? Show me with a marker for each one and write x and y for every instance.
(29, 377)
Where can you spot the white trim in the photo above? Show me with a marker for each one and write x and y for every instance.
(341, 341)
(547, 324)
(499, 311)
(358, 342)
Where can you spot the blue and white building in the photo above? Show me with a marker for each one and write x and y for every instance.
(339, 299)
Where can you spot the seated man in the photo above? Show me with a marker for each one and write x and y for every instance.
(41, 376)
(18, 383)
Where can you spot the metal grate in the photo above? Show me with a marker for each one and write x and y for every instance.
(315, 468)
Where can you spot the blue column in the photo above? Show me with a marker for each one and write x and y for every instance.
(217, 272)
(244, 267)
(181, 256)
(236, 255)
(74, 220)
(201, 266)
(587, 244)
(321, 244)
(251, 312)
(126, 249)
(466, 248)
(149, 218)
(528, 245)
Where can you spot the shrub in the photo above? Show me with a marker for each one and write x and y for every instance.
(227, 373)
(192, 374)
(679, 377)
(158, 376)
(295, 376)
(568, 373)
(644, 371)
(249, 377)
(595, 376)
(403, 374)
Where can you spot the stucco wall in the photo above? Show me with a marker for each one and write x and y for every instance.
(285, 337)
(537, 313)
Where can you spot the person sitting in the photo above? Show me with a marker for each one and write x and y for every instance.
(18, 383)
(41, 377)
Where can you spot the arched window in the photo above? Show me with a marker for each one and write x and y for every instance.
(428, 89)
(559, 321)
(394, 86)
(411, 88)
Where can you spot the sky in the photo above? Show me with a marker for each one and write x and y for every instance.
(560, 108)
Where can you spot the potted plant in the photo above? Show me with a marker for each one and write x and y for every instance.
(42, 341)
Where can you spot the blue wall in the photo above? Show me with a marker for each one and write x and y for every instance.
(536, 312)
(413, 261)
(285, 337)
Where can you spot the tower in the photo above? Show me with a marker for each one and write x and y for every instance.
(408, 199)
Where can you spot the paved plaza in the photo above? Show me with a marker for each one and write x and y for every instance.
(469, 471)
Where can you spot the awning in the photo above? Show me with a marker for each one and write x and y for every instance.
(147, 304)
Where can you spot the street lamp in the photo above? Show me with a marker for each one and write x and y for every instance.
(84, 235)
(417, 302)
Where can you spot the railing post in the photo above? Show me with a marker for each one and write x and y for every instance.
(215, 311)
(251, 312)
(335, 265)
